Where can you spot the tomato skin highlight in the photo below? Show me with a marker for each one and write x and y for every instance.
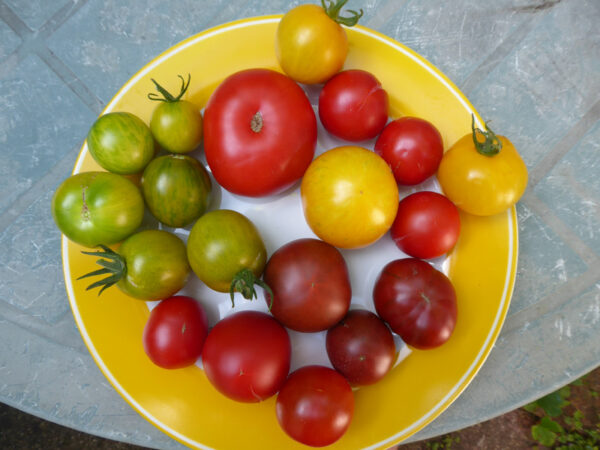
(175, 332)
(260, 133)
(246, 356)
(93, 208)
(417, 301)
(121, 143)
(310, 283)
(426, 226)
(315, 406)
(353, 106)
(412, 147)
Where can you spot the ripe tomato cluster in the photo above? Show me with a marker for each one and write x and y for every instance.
(259, 134)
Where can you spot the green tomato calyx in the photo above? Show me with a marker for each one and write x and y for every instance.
(332, 9)
(491, 145)
(166, 96)
(243, 282)
(112, 264)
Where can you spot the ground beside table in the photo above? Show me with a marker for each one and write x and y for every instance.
(532, 66)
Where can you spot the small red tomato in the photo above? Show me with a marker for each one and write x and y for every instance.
(361, 347)
(310, 283)
(412, 147)
(175, 332)
(247, 355)
(353, 106)
(417, 301)
(315, 406)
(427, 225)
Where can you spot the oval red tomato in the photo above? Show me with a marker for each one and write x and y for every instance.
(412, 147)
(361, 347)
(260, 133)
(175, 332)
(353, 106)
(427, 225)
(417, 301)
(315, 406)
(247, 355)
(310, 283)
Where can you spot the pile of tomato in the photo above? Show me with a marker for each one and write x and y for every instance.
(259, 133)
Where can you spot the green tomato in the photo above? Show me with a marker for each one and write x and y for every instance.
(177, 126)
(94, 208)
(224, 248)
(121, 143)
(149, 265)
(176, 189)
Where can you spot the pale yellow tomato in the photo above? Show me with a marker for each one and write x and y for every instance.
(349, 196)
(311, 45)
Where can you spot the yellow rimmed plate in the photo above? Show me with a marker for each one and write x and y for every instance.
(482, 267)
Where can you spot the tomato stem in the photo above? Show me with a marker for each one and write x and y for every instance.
(332, 9)
(166, 95)
(491, 145)
(243, 282)
(256, 123)
(112, 263)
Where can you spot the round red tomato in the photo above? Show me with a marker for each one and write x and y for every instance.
(310, 284)
(353, 106)
(427, 225)
(361, 347)
(175, 332)
(260, 133)
(315, 406)
(412, 147)
(417, 301)
(247, 355)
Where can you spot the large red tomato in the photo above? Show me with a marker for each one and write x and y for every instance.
(417, 301)
(175, 332)
(310, 284)
(353, 106)
(315, 405)
(247, 355)
(427, 225)
(260, 133)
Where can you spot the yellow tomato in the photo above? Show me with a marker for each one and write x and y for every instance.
(311, 46)
(349, 196)
(483, 177)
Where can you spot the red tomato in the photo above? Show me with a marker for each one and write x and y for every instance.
(247, 355)
(315, 406)
(310, 285)
(353, 106)
(427, 225)
(260, 133)
(412, 147)
(361, 347)
(417, 301)
(175, 332)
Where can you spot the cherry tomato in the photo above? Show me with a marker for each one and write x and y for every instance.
(175, 332)
(176, 124)
(176, 189)
(353, 106)
(361, 347)
(315, 406)
(310, 44)
(483, 177)
(310, 284)
(150, 265)
(417, 301)
(412, 147)
(427, 225)
(246, 356)
(94, 208)
(121, 143)
(349, 196)
(260, 133)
